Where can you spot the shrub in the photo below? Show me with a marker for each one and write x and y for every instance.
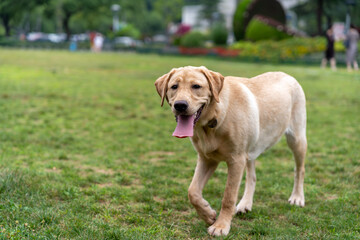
(152, 23)
(239, 19)
(129, 31)
(259, 30)
(193, 39)
(276, 51)
(176, 41)
(247, 9)
(181, 31)
(219, 34)
(339, 46)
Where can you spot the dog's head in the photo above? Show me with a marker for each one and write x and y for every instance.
(188, 90)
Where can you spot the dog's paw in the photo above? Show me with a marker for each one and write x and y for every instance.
(244, 206)
(219, 229)
(208, 217)
(297, 199)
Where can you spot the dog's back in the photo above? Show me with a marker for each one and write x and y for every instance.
(280, 102)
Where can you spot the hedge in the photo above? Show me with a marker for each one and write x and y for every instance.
(193, 39)
(277, 51)
(247, 9)
(258, 30)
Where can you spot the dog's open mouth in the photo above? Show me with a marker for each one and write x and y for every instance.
(185, 124)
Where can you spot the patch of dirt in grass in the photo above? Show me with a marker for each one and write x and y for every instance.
(331, 197)
(158, 199)
(53, 170)
(104, 185)
(161, 153)
(103, 171)
(134, 185)
(14, 96)
(282, 217)
(356, 172)
(183, 214)
(85, 169)
(157, 156)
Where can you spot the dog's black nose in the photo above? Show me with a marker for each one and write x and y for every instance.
(181, 106)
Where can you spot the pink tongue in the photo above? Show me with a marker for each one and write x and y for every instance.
(185, 126)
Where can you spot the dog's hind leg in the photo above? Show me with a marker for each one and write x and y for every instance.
(246, 202)
(203, 171)
(296, 140)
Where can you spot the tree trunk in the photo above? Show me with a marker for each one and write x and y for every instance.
(66, 26)
(329, 21)
(319, 13)
(6, 24)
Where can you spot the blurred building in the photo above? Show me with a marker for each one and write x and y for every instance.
(191, 14)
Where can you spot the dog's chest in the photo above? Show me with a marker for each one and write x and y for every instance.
(208, 144)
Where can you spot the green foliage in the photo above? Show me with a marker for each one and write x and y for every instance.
(85, 21)
(10, 10)
(339, 46)
(130, 31)
(193, 39)
(210, 7)
(169, 10)
(258, 30)
(239, 19)
(247, 9)
(150, 17)
(219, 34)
(333, 11)
(79, 16)
(152, 23)
(86, 152)
(176, 41)
(276, 51)
(15, 43)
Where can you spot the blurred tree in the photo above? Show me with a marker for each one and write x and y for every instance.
(319, 15)
(151, 16)
(133, 11)
(76, 16)
(10, 10)
(169, 10)
(331, 11)
(335, 10)
(99, 20)
(209, 10)
(152, 24)
(85, 9)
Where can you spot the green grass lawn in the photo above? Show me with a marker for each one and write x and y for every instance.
(86, 152)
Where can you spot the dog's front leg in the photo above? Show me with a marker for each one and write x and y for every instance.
(204, 169)
(236, 167)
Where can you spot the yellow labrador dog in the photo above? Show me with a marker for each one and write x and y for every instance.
(234, 120)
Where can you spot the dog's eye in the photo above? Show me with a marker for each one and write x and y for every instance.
(174, 86)
(196, 86)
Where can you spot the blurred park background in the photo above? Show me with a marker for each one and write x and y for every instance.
(270, 30)
(86, 151)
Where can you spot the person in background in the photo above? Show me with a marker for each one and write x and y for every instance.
(92, 36)
(329, 52)
(98, 42)
(352, 39)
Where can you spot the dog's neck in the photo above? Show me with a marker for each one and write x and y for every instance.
(204, 138)
(210, 115)
(212, 123)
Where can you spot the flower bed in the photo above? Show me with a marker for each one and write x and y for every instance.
(277, 51)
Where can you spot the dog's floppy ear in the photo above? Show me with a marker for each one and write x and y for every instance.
(161, 84)
(216, 81)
